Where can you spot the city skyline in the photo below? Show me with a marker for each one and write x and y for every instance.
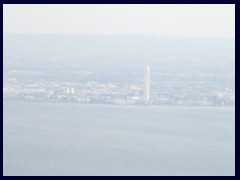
(64, 68)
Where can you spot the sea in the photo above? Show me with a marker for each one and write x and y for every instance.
(70, 139)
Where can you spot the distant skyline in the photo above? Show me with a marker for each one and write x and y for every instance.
(125, 19)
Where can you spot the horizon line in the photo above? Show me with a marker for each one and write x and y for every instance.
(158, 35)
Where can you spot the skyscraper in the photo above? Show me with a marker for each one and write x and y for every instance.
(147, 84)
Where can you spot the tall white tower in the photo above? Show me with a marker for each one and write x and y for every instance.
(147, 84)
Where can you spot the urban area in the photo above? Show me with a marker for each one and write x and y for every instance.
(145, 92)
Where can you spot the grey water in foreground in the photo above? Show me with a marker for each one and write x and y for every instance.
(76, 139)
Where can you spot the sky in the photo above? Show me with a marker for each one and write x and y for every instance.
(191, 20)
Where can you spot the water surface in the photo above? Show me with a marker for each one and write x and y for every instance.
(74, 139)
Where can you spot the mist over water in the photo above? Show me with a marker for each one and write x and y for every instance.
(75, 139)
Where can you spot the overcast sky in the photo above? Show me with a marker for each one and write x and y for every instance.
(164, 20)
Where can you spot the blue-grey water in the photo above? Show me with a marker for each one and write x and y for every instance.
(74, 139)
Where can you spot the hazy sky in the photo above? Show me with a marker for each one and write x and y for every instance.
(164, 20)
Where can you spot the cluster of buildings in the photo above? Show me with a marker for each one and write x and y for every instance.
(144, 92)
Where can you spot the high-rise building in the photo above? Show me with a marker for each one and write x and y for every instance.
(147, 84)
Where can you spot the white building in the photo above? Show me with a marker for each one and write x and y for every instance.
(147, 84)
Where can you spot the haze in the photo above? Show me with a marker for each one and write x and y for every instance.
(162, 19)
(119, 90)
